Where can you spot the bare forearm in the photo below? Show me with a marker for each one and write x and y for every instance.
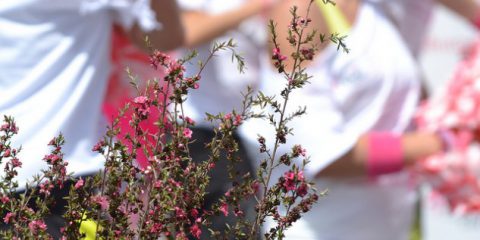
(202, 27)
(415, 146)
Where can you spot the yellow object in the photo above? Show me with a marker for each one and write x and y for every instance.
(89, 228)
(335, 19)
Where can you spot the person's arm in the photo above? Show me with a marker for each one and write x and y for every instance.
(203, 27)
(170, 36)
(415, 146)
(469, 9)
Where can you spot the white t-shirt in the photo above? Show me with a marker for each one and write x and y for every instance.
(411, 17)
(373, 88)
(221, 84)
(54, 61)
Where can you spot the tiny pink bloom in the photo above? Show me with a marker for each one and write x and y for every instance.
(238, 120)
(7, 153)
(300, 176)
(194, 213)
(180, 213)
(302, 190)
(98, 146)
(79, 184)
(224, 209)
(157, 184)
(5, 199)
(16, 162)
(102, 201)
(195, 231)
(36, 225)
(187, 133)
(211, 165)
(7, 217)
(276, 51)
(140, 100)
(188, 120)
(289, 175)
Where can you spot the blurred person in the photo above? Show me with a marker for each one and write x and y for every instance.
(55, 64)
(411, 18)
(221, 84)
(358, 128)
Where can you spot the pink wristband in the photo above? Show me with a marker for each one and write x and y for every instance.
(385, 153)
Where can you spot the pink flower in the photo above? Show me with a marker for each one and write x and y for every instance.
(188, 120)
(140, 100)
(98, 147)
(7, 217)
(180, 213)
(277, 55)
(238, 212)
(102, 201)
(16, 162)
(302, 190)
(289, 183)
(51, 158)
(187, 133)
(211, 165)
(36, 225)
(298, 150)
(158, 184)
(224, 209)
(5, 199)
(79, 184)
(238, 120)
(195, 231)
(46, 187)
(308, 53)
(6, 153)
(194, 213)
(300, 176)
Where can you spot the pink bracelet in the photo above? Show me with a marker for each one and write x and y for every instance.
(385, 153)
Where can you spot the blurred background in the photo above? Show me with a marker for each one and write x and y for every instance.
(441, 54)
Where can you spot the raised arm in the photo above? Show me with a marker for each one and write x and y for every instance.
(170, 36)
(203, 27)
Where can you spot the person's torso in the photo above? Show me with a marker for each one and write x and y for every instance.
(54, 63)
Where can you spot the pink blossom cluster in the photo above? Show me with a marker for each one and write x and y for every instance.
(455, 115)
(294, 182)
(278, 59)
